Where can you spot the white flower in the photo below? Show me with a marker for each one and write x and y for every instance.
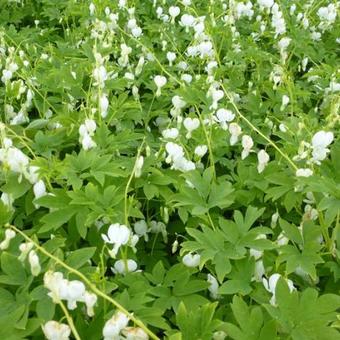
(118, 235)
(186, 2)
(186, 77)
(201, 150)
(235, 131)
(244, 9)
(92, 8)
(247, 144)
(73, 291)
(282, 240)
(187, 21)
(87, 142)
(205, 49)
(284, 43)
(120, 267)
(54, 330)
(213, 288)
(54, 282)
(24, 248)
(100, 76)
(9, 234)
(160, 81)
(139, 66)
(39, 189)
(327, 16)
(285, 101)
(216, 96)
(134, 333)
(178, 102)
(191, 260)
(103, 105)
(224, 116)
(159, 227)
(86, 132)
(274, 220)
(113, 327)
(191, 124)
(90, 300)
(16, 160)
(171, 56)
(263, 159)
(141, 229)
(270, 286)
(320, 141)
(136, 32)
(7, 199)
(174, 151)
(278, 22)
(182, 164)
(174, 12)
(6, 76)
(138, 166)
(170, 133)
(33, 174)
(259, 271)
(304, 172)
(90, 125)
(33, 260)
(266, 3)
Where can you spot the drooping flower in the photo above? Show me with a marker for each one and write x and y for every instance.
(304, 172)
(114, 326)
(201, 150)
(103, 105)
(174, 11)
(9, 234)
(141, 229)
(86, 131)
(190, 125)
(213, 288)
(247, 144)
(134, 333)
(54, 330)
(139, 166)
(224, 116)
(122, 267)
(34, 262)
(160, 81)
(170, 133)
(270, 286)
(191, 260)
(263, 159)
(118, 235)
(320, 141)
(235, 131)
(90, 299)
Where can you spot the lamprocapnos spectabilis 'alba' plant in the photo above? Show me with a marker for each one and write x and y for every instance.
(164, 162)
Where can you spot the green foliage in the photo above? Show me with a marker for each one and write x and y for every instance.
(225, 173)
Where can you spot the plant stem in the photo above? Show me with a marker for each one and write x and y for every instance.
(70, 321)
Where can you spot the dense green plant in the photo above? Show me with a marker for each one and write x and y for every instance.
(169, 169)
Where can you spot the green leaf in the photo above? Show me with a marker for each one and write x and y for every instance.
(13, 268)
(79, 257)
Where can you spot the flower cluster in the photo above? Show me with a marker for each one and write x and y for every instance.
(86, 132)
(117, 326)
(71, 291)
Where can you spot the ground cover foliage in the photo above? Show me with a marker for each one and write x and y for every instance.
(169, 169)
